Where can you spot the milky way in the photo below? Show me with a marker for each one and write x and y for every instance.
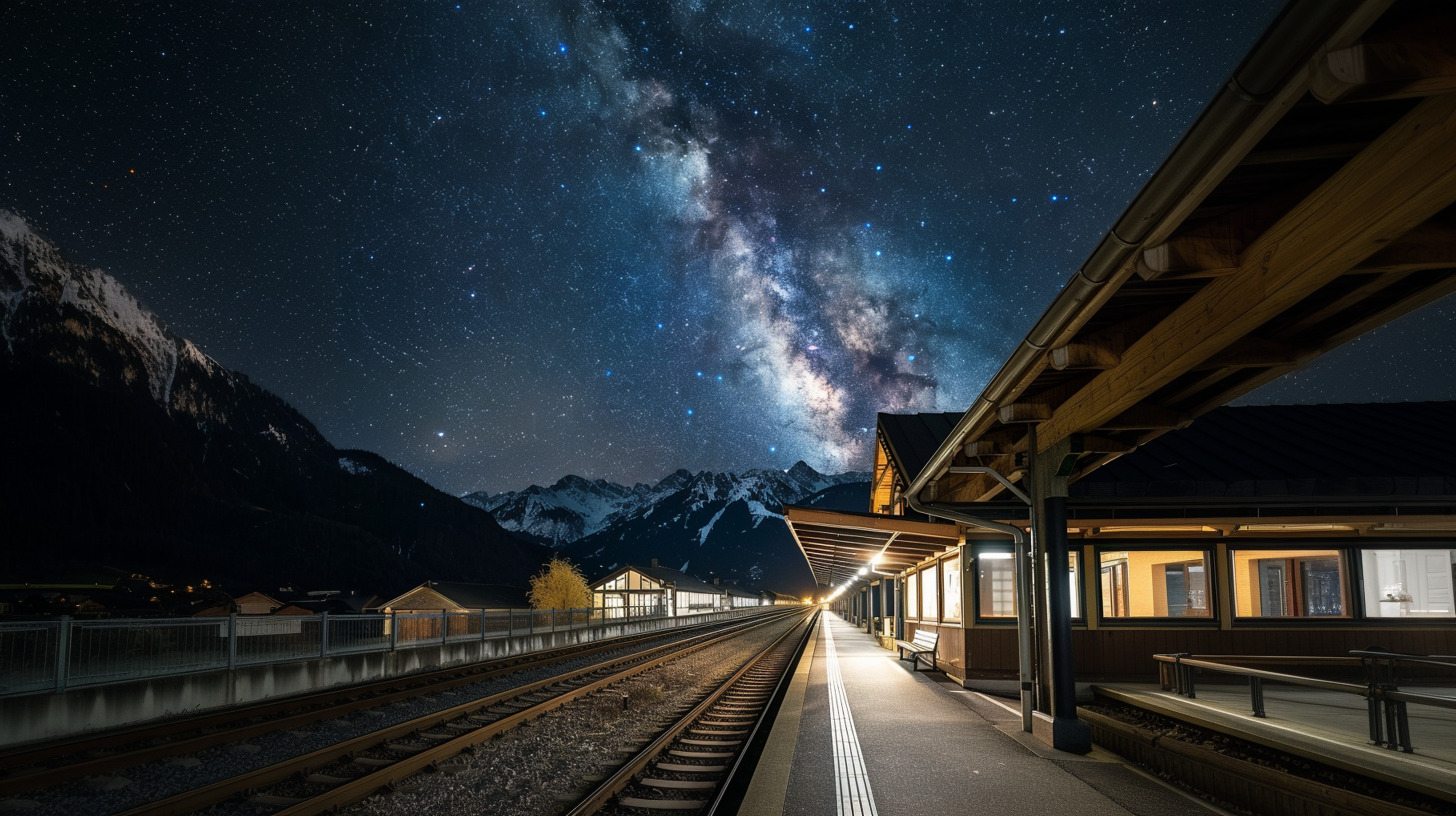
(498, 243)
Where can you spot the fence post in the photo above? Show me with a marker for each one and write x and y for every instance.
(324, 634)
(510, 627)
(444, 626)
(1256, 695)
(482, 625)
(393, 629)
(532, 620)
(63, 651)
(232, 641)
(553, 619)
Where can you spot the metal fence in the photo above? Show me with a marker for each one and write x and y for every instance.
(1386, 703)
(54, 655)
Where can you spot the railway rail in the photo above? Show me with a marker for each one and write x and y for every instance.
(352, 769)
(41, 767)
(702, 762)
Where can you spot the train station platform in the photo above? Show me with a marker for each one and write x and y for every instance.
(1323, 726)
(860, 733)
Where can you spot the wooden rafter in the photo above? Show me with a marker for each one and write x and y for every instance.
(1408, 54)
(1400, 181)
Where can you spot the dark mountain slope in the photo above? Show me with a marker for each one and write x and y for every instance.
(126, 448)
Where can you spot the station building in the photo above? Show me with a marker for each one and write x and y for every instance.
(1240, 534)
(1313, 200)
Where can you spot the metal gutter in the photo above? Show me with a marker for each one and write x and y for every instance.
(1295, 36)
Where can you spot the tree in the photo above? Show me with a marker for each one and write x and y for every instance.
(560, 585)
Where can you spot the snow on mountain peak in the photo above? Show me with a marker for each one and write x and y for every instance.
(574, 507)
(46, 276)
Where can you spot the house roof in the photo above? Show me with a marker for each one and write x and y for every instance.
(911, 439)
(1311, 202)
(1405, 449)
(679, 580)
(473, 596)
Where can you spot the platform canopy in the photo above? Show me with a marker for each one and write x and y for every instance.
(838, 544)
(1311, 202)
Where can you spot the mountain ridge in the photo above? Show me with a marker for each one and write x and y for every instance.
(575, 507)
(142, 453)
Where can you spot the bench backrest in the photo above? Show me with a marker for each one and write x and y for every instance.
(926, 638)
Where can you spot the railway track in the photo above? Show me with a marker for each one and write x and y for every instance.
(39, 767)
(702, 761)
(348, 771)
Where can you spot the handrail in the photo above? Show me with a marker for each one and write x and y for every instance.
(1292, 679)
(1385, 702)
(1427, 660)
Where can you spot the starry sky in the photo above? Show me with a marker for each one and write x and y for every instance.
(501, 242)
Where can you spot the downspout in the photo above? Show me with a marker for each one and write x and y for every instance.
(1023, 592)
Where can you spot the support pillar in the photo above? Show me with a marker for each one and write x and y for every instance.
(1057, 721)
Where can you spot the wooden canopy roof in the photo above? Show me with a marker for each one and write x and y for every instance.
(837, 544)
(1311, 202)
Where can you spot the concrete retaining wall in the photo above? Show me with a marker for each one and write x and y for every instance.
(46, 716)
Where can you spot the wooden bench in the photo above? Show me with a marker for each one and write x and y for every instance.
(923, 644)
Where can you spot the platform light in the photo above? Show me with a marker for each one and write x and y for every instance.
(1293, 528)
(1155, 528)
(864, 570)
(1414, 526)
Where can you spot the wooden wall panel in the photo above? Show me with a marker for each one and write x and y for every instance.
(1117, 652)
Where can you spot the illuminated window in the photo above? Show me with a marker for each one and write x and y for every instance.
(1155, 584)
(951, 584)
(912, 595)
(1290, 583)
(929, 608)
(995, 584)
(1415, 583)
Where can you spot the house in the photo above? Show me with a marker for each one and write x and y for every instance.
(455, 596)
(256, 603)
(653, 590)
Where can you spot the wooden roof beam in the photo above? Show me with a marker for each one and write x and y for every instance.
(1102, 349)
(1251, 352)
(996, 442)
(1086, 356)
(1406, 54)
(1145, 417)
(1401, 180)
(1091, 443)
(1215, 246)
(1431, 245)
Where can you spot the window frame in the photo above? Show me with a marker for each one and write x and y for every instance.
(945, 594)
(1211, 573)
(1369, 617)
(912, 595)
(934, 617)
(1350, 576)
(977, 553)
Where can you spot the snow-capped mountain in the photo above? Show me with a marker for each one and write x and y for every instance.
(131, 449)
(723, 525)
(574, 508)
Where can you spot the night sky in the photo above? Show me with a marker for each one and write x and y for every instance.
(498, 243)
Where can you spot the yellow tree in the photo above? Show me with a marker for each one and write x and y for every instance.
(560, 585)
